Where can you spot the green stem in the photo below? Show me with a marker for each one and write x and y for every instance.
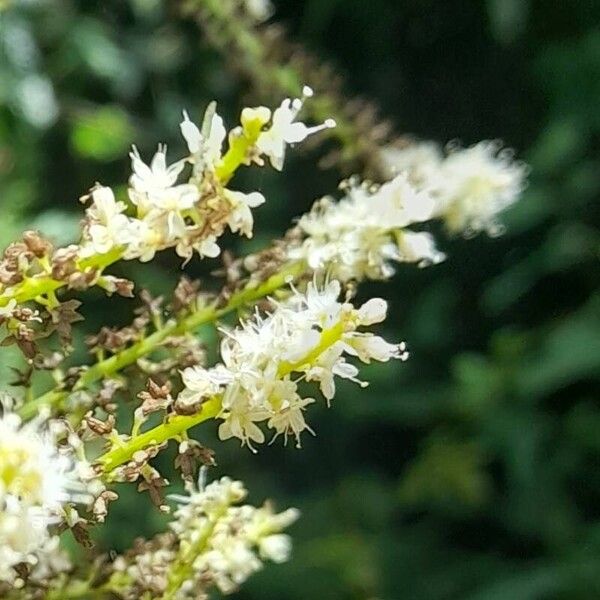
(44, 284)
(119, 361)
(237, 152)
(169, 430)
(328, 338)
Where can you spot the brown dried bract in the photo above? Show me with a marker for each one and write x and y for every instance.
(154, 483)
(122, 287)
(63, 316)
(64, 262)
(99, 427)
(185, 295)
(155, 397)
(112, 339)
(100, 506)
(191, 455)
(36, 244)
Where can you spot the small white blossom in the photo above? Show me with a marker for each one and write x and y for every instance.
(368, 346)
(240, 218)
(107, 226)
(23, 535)
(478, 183)
(206, 152)
(202, 383)
(276, 548)
(285, 130)
(289, 419)
(418, 247)
(31, 468)
(373, 311)
(156, 177)
(260, 10)
(153, 187)
(240, 422)
(191, 134)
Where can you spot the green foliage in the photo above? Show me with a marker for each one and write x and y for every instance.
(104, 134)
(471, 471)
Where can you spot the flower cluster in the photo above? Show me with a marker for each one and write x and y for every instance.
(311, 336)
(361, 235)
(35, 481)
(307, 337)
(470, 186)
(189, 215)
(217, 542)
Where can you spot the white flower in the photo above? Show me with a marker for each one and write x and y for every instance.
(107, 226)
(285, 130)
(276, 548)
(154, 187)
(260, 10)
(201, 383)
(23, 534)
(31, 468)
(398, 203)
(191, 134)
(204, 151)
(208, 247)
(146, 240)
(357, 237)
(476, 184)
(240, 422)
(321, 304)
(240, 219)
(418, 247)
(368, 346)
(329, 365)
(155, 177)
(373, 311)
(50, 561)
(289, 419)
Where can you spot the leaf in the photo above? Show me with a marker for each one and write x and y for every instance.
(103, 134)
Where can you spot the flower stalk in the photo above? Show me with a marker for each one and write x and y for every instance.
(42, 286)
(111, 366)
(175, 426)
(313, 329)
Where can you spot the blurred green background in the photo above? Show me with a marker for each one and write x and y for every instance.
(470, 472)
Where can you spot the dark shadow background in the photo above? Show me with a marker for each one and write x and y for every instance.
(471, 471)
